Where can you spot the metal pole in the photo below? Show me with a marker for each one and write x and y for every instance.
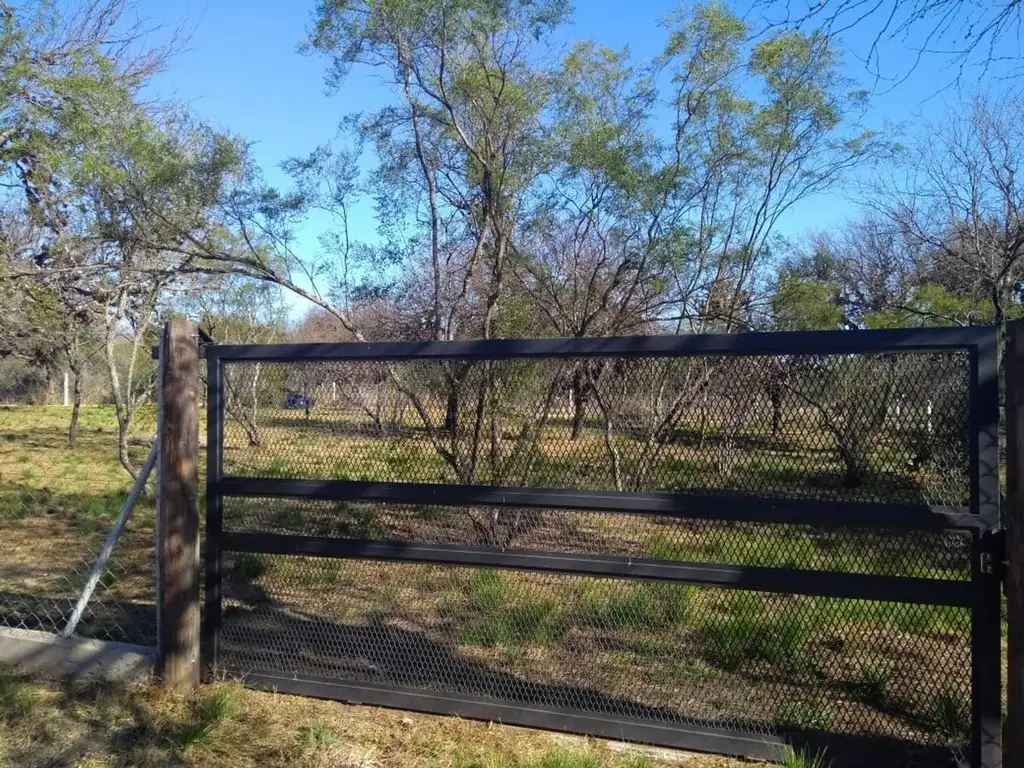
(986, 664)
(1013, 749)
(100, 565)
(214, 473)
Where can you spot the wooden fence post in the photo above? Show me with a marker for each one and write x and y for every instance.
(178, 508)
(1013, 736)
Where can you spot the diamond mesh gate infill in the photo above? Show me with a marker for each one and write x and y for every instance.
(880, 681)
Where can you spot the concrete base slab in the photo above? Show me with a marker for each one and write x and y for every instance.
(31, 651)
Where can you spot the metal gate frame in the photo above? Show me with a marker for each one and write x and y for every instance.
(981, 594)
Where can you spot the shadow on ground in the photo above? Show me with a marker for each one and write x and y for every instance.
(265, 638)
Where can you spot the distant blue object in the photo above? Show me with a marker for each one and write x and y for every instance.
(293, 400)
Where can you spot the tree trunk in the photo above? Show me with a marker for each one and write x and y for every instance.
(579, 404)
(451, 412)
(775, 395)
(75, 408)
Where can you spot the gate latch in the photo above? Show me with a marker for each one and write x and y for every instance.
(992, 558)
(987, 565)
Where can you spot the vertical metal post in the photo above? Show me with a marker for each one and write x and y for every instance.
(986, 662)
(1013, 753)
(214, 509)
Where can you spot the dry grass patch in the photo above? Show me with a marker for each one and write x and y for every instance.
(94, 725)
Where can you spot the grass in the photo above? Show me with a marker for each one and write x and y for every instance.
(746, 632)
(316, 737)
(225, 726)
(569, 759)
(15, 698)
(793, 758)
(495, 613)
(210, 710)
(249, 565)
(57, 503)
(809, 714)
(654, 605)
(871, 684)
(951, 715)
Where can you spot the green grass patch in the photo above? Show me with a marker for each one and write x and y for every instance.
(639, 606)
(804, 714)
(317, 736)
(496, 614)
(871, 684)
(15, 700)
(950, 714)
(208, 712)
(748, 633)
(249, 565)
(796, 758)
(192, 733)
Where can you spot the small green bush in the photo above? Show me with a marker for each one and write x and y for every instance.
(218, 706)
(192, 733)
(207, 713)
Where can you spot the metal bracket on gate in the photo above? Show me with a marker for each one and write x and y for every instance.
(995, 557)
(205, 340)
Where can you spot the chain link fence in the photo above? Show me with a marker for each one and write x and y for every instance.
(60, 493)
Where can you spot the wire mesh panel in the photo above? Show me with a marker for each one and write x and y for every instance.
(724, 550)
(867, 428)
(58, 502)
(897, 676)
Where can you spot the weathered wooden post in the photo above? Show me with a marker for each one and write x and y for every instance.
(1013, 736)
(178, 508)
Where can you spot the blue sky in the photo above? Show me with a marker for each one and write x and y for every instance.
(242, 72)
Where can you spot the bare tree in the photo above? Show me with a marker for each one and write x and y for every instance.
(962, 34)
(960, 204)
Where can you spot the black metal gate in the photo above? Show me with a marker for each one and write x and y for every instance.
(727, 543)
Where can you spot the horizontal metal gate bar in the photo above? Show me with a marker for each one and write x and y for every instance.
(896, 589)
(691, 737)
(731, 344)
(828, 514)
